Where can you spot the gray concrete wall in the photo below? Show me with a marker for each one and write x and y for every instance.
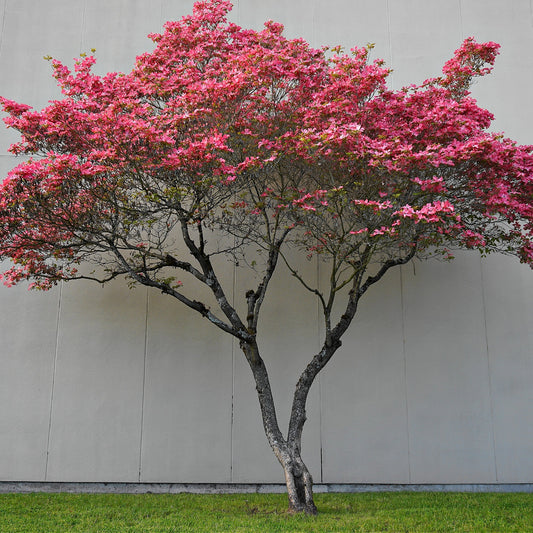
(434, 383)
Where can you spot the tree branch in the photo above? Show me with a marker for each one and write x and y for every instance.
(144, 279)
(211, 279)
(255, 298)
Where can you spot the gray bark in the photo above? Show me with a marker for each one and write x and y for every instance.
(297, 476)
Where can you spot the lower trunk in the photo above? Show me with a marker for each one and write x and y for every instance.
(299, 485)
(297, 477)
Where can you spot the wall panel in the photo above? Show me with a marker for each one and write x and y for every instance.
(433, 382)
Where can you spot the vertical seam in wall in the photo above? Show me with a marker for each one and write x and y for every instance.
(461, 19)
(489, 373)
(3, 26)
(58, 319)
(52, 389)
(143, 391)
(237, 8)
(320, 431)
(402, 304)
(391, 75)
(83, 25)
(236, 4)
(318, 313)
(313, 23)
(402, 300)
(232, 414)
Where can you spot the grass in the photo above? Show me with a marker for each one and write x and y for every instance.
(248, 513)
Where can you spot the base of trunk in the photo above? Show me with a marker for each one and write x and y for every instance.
(300, 488)
(307, 508)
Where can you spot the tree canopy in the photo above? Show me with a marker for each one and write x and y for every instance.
(257, 134)
(259, 139)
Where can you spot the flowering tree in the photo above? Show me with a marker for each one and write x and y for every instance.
(269, 142)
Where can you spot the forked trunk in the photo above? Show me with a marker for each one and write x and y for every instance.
(297, 476)
(299, 486)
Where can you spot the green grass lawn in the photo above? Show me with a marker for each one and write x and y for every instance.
(248, 513)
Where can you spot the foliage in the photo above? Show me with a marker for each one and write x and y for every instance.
(253, 134)
(414, 512)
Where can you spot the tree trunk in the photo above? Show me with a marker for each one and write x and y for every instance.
(297, 476)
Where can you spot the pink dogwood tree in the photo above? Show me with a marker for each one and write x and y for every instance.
(260, 140)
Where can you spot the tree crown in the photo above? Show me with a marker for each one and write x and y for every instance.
(264, 139)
